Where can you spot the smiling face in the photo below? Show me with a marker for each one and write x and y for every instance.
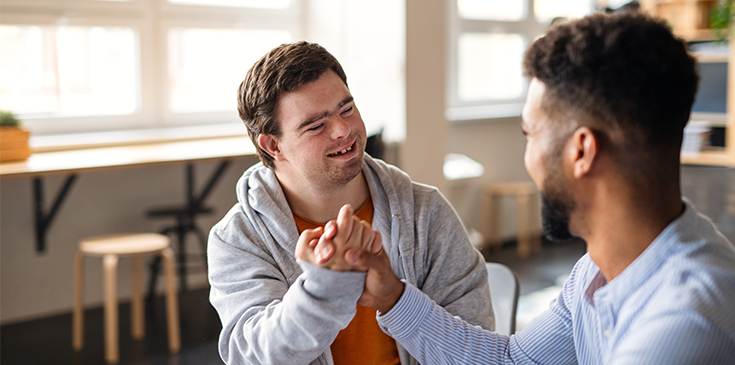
(322, 135)
(545, 143)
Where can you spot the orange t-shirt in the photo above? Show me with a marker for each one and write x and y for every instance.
(362, 342)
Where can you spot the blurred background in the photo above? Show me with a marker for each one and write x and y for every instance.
(438, 80)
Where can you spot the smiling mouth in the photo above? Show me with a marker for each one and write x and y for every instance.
(339, 153)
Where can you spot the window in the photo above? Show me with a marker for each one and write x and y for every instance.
(68, 71)
(487, 42)
(205, 66)
(94, 65)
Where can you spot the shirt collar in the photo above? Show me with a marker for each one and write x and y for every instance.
(645, 265)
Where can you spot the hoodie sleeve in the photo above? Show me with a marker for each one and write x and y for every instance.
(449, 269)
(264, 320)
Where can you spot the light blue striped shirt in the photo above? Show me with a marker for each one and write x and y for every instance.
(675, 304)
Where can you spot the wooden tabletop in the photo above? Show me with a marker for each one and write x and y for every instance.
(708, 158)
(46, 163)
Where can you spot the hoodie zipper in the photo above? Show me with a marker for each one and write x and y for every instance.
(395, 236)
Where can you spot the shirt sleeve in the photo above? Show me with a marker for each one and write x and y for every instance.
(449, 269)
(266, 321)
(433, 336)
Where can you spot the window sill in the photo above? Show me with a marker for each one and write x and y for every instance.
(65, 142)
(471, 113)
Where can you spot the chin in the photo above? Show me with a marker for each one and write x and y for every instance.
(555, 218)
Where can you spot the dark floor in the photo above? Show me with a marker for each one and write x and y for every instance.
(48, 340)
(539, 270)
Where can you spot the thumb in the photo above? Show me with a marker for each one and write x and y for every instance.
(304, 250)
(364, 260)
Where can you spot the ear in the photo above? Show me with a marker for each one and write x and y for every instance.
(585, 146)
(269, 144)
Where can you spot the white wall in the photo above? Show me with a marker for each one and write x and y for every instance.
(422, 154)
(497, 144)
(33, 285)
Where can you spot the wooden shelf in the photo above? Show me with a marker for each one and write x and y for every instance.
(689, 20)
(708, 158)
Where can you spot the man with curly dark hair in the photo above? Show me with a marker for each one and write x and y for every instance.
(607, 104)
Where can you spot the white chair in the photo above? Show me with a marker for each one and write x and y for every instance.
(504, 292)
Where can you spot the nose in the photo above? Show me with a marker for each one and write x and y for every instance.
(340, 128)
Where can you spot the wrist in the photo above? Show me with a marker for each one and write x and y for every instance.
(391, 299)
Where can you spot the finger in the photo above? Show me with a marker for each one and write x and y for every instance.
(324, 251)
(353, 256)
(363, 260)
(330, 229)
(377, 246)
(308, 235)
(344, 224)
(303, 249)
(325, 247)
(368, 235)
(355, 239)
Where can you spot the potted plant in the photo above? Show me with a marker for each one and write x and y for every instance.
(13, 139)
(721, 18)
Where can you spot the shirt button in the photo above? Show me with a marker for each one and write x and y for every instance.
(607, 333)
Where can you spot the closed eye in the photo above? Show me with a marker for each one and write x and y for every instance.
(316, 127)
(347, 111)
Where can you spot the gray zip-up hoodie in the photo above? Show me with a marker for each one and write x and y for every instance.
(276, 309)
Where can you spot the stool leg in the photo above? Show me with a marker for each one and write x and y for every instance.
(495, 220)
(524, 247)
(154, 270)
(136, 304)
(78, 313)
(112, 353)
(172, 303)
(181, 231)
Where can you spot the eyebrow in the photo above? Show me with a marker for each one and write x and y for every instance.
(325, 114)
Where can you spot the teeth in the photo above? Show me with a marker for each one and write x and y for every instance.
(348, 149)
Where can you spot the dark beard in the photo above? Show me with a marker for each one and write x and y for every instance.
(555, 218)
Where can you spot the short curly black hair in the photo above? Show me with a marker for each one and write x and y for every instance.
(626, 74)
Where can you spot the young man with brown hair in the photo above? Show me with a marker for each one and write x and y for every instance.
(311, 139)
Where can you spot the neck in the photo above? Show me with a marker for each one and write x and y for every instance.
(319, 204)
(619, 226)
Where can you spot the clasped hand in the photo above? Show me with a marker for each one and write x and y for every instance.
(350, 244)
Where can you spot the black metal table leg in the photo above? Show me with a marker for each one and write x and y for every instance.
(43, 220)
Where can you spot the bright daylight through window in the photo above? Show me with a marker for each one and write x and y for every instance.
(196, 86)
(63, 71)
(127, 64)
(488, 38)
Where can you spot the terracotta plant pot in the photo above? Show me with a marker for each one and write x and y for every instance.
(14, 144)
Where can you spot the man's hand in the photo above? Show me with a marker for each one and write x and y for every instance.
(327, 247)
(351, 244)
(382, 286)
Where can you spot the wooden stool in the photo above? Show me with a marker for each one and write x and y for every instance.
(490, 212)
(111, 247)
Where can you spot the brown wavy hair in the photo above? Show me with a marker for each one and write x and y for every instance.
(283, 69)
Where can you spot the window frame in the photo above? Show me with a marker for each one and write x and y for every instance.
(458, 110)
(151, 21)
